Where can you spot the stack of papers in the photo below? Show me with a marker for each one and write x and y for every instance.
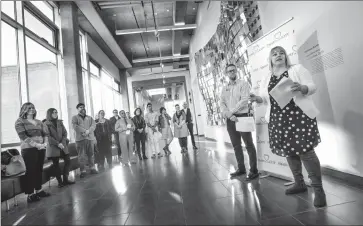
(282, 92)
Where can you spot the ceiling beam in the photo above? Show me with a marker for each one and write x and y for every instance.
(159, 58)
(180, 9)
(176, 63)
(162, 28)
(96, 21)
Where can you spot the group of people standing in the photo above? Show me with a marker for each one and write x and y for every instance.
(48, 139)
(293, 129)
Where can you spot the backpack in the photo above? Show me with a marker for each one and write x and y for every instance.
(12, 163)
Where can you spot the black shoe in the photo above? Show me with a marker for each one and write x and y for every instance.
(252, 176)
(33, 198)
(94, 171)
(195, 148)
(296, 188)
(238, 173)
(140, 158)
(61, 185)
(83, 174)
(153, 156)
(145, 158)
(160, 155)
(42, 194)
(320, 198)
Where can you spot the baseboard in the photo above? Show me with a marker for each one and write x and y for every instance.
(349, 179)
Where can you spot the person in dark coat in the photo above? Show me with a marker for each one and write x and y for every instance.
(115, 138)
(57, 146)
(103, 135)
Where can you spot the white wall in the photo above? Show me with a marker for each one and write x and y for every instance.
(101, 58)
(332, 25)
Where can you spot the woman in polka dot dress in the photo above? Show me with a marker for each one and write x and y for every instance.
(293, 129)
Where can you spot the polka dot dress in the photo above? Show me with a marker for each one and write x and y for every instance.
(291, 131)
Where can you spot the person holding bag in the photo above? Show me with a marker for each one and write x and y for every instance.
(293, 129)
(234, 103)
(34, 141)
(57, 147)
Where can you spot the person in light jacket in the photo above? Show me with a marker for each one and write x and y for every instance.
(293, 129)
(57, 146)
(180, 128)
(125, 128)
(165, 130)
(139, 133)
(103, 133)
(84, 126)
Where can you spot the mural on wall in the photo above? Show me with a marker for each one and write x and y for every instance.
(228, 45)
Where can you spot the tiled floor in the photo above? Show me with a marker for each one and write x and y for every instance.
(186, 190)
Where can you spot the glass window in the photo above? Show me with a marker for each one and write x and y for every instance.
(96, 95)
(45, 8)
(43, 83)
(8, 7)
(87, 96)
(106, 78)
(107, 101)
(10, 91)
(94, 69)
(38, 27)
(117, 101)
(82, 44)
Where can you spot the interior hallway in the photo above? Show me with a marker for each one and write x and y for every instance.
(185, 190)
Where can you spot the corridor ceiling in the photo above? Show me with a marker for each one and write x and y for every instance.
(133, 25)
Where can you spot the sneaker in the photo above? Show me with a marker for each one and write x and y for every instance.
(42, 194)
(160, 155)
(145, 158)
(238, 173)
(153, 156)
(296, 189)
(320, 198)
(61, 185)
(32, 198)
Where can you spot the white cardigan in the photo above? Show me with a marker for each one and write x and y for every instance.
(298, 74)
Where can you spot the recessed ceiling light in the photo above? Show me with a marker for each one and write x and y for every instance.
(114, 14)
(155, 13)
(193, 8)
(167, 10)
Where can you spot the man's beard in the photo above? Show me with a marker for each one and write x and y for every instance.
(83, 112)
(233, 78)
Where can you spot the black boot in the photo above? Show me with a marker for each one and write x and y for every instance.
(298, 187)
(60, 182)
(320, 198)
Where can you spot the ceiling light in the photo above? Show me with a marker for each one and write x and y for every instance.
(193, 8)
(155, 13)
(167, 10)
(179, 23)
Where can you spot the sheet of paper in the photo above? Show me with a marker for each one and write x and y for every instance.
(282, 92)
(245, 124)
(128, 132)
(128, 126)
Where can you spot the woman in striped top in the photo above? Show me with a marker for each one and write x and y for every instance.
(33, 145)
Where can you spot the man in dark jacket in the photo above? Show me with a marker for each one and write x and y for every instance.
(189, 122)
(116, 139)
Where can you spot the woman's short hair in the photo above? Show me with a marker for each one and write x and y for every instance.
(24, 110)
(161, 110)
(287, 59)
(138, 109)
(177, 105)
(100, 112)
(49, 114)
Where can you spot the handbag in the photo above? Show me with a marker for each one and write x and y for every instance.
(246, 124)
(12, 163)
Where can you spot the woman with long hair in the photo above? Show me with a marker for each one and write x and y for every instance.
(293, 129)
(103, 133)
(125, 127)
(139, 133)
(180, 128)
(57, 146)
(165, 130)
(34, 141)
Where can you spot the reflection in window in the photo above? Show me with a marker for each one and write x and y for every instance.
(44, 8)
(10, 91)
(96, 95)
(94, 69)
(38, 27)
(8, 7)
(42, 78)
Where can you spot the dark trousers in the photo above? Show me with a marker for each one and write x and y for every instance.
(312, 166)
(34, 160)
(140, 140)
(183, 142)
(190, 128)
(104, 146)
(56, 168)
(117, 142)
(235, 137)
